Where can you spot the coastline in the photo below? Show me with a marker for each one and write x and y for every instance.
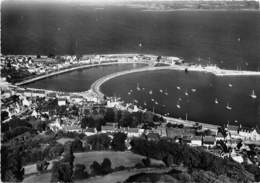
(198, 68)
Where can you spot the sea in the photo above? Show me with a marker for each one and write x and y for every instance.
(228, 39)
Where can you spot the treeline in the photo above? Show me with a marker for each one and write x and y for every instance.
(96, 118)
(193, 158)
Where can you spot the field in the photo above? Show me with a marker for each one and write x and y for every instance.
(127, 159)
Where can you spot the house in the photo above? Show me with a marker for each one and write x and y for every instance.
(90, 131)
(62, 102)
(219, 136)
(179, 132)
(209, 141)
(134, 132)
(161, 131)
(132, 108)
(51, 95)
(174, 132)
(27, 93)
(255, 134)
(64, 95)
(26, 102)
(196, 141)
(233, 131)
(76, 99)
(55, 126)
(186, 139)
(106, 129)
(71, 128)
(153, 137)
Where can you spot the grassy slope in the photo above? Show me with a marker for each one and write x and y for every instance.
(127, 159)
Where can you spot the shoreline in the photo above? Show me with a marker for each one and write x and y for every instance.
(198, 68)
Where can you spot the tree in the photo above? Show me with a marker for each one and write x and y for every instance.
(80, 172)
(106, 166)
(99, 141)
(95, 168)
(223, 131)
(42, 166)
(146, 162)
(118, 142)
(77, 146)
(11, 165)
(109, 115)
(4, 115)
(61, 172)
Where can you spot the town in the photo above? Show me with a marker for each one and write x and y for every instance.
(42, 122)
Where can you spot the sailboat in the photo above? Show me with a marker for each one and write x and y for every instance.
(253, 95)
(186, 93)
(228, 107)
(150, 92)
(216, 101)
(166, 93)
(137, 87)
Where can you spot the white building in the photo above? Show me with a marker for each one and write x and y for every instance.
(62, 102)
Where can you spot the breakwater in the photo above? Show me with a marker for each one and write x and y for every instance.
(68, 70)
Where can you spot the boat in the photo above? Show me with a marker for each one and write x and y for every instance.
(137, 87)
(238, 39)
(228, 107)
(143, 88)
(136, 101)
(156, 102)
(236, 121)
(140, 45)
(178, 88)
(145, 103)
(129, 93)
(230, 85)
(164, 105)
(178, 106)
(186, 93)
(165, 93)
(193, 90)
(253, 95)
(161, 90)
(216, 101)
(180, 99)
(150, 92)
(152, 100)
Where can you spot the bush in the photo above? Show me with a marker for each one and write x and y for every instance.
(80, 172)
(146, 162)
(139, 165)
